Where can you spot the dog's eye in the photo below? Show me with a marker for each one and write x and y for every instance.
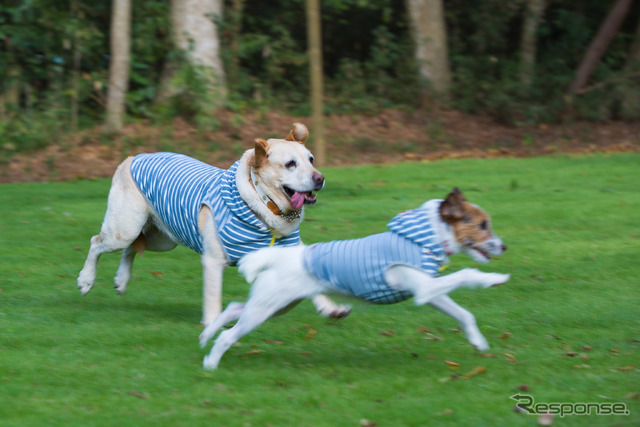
(484, 225)
(311, 160)
(291, 164)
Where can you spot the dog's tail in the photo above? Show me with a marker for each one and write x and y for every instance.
(252, 264)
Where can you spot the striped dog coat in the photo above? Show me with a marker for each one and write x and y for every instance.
(357, 266)
(177, 187)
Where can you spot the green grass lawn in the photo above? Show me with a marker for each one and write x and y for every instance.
(565, 329)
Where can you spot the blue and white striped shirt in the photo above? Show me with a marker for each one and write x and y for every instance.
(357, 266)
(177, 186)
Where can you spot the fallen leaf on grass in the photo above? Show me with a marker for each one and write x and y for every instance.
(475, 371)
(632, 396)
(136, 394)
(626, 368)
(366, 423)
(487, 355)
(273, 342)
(511, 357)
(451, 364)
(312, 333)
(505, 336)
(587, 348)
(388, 332)
(156, 273)
(424, 330)
(524, 387)
(250, 352)
(305, 354)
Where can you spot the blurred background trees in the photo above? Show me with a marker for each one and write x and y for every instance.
(513, 60)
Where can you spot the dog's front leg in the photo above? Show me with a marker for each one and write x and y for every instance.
(465, 319)
(214, 262)
(212, 270)
(426, 288)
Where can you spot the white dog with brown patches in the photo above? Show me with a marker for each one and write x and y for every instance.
(383, 268)
(160, 200)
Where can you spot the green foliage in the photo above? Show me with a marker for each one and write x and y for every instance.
(367, 54)
(565, 327)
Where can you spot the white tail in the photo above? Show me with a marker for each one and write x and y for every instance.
(252, 264)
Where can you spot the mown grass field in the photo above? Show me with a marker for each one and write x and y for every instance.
(566, 328)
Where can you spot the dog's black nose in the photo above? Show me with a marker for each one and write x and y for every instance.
(504, 248)
(318, 180)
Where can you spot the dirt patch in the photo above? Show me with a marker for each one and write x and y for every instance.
(390, 136)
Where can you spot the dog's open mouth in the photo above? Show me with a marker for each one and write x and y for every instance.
(300, 198)
(485, 254)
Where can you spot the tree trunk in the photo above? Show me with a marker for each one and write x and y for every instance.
(528, 42)
(599, 45)
(630, 105)
(195, 34)
(314, 37)
(430, 39)
(119, 64)
(235, 23)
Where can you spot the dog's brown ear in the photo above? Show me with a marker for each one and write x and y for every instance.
(452, 208)
(260, 149)
(298, 133)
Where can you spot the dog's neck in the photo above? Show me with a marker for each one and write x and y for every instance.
(281, 225)
(443, 231)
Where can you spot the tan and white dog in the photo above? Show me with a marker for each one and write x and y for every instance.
(383, 268)
(160, 200)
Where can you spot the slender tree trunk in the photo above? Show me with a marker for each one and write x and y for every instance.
(528, 42)
(630, 106)
(430, 39)
(195, 33)
(75, 74)
(314, 38)
(11, 85)
(599, 45)
(235, 20)
(119, 64)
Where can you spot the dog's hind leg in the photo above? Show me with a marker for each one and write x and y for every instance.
(327, 308)
(152, 239)
(231, 313)
(425, 288)
(127, 213)
(466, 320)
(252, 315)
(123, 274)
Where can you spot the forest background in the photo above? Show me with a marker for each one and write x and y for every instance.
(85, 83)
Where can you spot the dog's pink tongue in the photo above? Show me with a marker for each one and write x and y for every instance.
(297, 200)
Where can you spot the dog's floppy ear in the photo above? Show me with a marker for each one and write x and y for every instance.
(261, 149)
(452, 208)
(299, 133)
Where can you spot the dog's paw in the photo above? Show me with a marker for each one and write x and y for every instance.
(84, 286)
(494, 279)
(204, 339)
(478, 341)
(120, 284)
(481, 345)
(335, 311)
(209, 364)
